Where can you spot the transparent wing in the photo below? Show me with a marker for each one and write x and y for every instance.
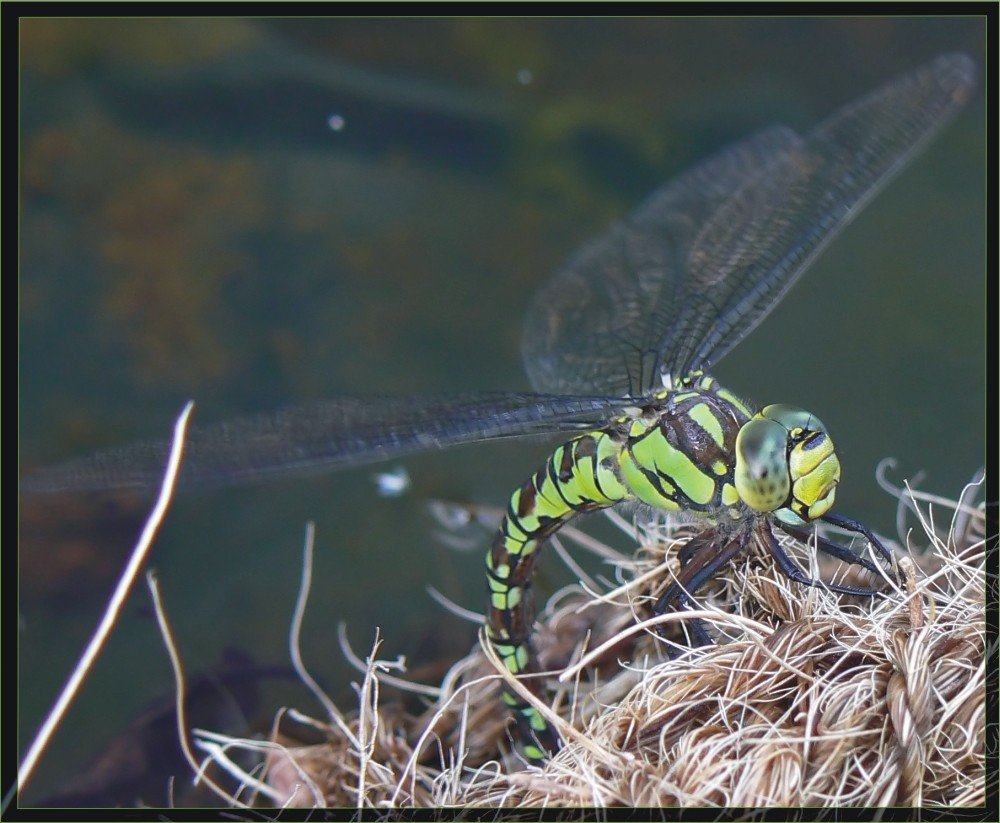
(699, 264)
(324, 435)
(596, 321)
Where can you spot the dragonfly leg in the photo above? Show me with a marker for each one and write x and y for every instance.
(701, 559)
(793, 572)
(848, 524)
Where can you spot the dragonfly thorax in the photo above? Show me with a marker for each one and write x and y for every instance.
(677, 451)
(701, 450)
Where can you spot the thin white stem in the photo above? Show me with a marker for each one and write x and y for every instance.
(86, 661)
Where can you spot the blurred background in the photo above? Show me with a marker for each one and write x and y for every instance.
(253, 214)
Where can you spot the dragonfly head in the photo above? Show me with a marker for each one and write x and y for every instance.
(786, 464)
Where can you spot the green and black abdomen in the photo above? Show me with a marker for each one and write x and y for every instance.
(674, 452)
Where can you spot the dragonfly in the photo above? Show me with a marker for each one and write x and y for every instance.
(618, 345)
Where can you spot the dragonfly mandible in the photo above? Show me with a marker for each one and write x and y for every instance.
(618, 344)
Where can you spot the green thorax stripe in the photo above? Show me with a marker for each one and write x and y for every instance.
(679, 454)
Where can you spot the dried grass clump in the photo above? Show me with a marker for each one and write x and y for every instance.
(809, 699)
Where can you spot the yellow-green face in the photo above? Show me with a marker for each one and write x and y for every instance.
(786, 463)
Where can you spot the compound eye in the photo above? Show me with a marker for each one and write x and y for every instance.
(797, 422)
(761, 474)
(813, 465)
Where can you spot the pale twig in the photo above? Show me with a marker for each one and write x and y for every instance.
(216, 753)
(138, 556)
(459, 750)
(752, 627)
(575, 568)
(295, 632)
(217, 745)
(363, 666)
(369, 721)
(454, 608)
(178, 670)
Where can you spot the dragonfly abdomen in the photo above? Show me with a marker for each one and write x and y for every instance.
(578, 477)
(674, 452)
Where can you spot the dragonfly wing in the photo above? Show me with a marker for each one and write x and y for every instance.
(759, 243)
(595, 324)
(325, 435)
(692, 271)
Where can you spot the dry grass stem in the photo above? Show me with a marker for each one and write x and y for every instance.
(112, 610)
